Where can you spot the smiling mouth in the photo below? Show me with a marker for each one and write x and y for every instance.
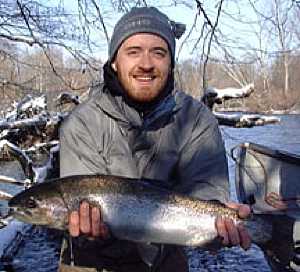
(144, 78)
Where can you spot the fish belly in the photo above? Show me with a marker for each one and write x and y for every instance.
(145, 220)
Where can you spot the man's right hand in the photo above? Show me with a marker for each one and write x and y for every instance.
(87, 221)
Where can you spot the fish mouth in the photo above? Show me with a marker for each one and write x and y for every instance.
(19, 213)
(15, 211)
(34, 217)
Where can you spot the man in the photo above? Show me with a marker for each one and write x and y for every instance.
(137, 125)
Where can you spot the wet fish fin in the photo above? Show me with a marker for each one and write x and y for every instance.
(148, 253)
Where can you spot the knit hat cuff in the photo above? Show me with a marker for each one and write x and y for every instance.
(145, 20)
(141, 25)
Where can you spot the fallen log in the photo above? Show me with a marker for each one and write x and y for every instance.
(214, 95)
(245, 120)
(5, 195)
(9, 180)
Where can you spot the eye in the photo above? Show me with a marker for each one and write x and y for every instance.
(160, 53)
(31, 203)
(132, 52)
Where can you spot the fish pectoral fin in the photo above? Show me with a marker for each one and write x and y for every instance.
(148, 253)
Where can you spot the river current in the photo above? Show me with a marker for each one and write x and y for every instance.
(39, 251)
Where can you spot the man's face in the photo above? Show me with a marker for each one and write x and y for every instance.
(143, 64)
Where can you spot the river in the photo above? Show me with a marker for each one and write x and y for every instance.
(284, 136)
(40, 250)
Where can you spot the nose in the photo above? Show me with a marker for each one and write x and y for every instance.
(146, 62)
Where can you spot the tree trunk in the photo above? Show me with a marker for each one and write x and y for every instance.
(286, 75)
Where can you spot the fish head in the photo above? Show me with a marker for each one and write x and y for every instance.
(41, 204)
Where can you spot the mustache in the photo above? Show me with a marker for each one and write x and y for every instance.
(145, 72)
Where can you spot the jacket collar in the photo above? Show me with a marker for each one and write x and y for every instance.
(117, 108)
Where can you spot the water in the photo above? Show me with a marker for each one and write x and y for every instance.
(34, 248)
(40, 250)
(284, 136)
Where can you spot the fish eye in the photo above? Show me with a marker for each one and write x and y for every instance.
(31, 203)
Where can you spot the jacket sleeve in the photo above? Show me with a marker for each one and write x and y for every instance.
(79, 153)
(203, 169)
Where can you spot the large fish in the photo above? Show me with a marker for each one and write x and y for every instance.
(132, 209)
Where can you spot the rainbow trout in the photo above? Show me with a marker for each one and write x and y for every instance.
(133, 210)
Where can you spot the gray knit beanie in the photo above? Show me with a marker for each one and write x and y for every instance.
(145, 20)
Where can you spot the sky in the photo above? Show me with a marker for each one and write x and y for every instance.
(238, 26)
(185, 13)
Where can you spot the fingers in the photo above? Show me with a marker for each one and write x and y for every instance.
(275, 201)
(228, 231)
(222, 230)
(232, 234)
(96, 222)
(87, 221)
(85, 218)
(74, 224)
(244, 237)
(243, 210)
(99, 229)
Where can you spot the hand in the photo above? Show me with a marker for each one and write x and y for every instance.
(87, 221)
(234, 235)
(276, 202)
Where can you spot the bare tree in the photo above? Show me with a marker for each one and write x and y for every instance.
(56, 45)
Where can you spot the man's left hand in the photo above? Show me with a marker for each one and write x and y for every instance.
(232, 234)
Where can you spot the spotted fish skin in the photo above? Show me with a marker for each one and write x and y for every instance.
(133, 210)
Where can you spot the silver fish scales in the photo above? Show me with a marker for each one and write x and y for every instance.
(133, 210)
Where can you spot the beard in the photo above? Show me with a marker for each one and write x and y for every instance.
(141, 86)
(116, 88)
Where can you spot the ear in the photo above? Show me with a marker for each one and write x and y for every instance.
(114, 66)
